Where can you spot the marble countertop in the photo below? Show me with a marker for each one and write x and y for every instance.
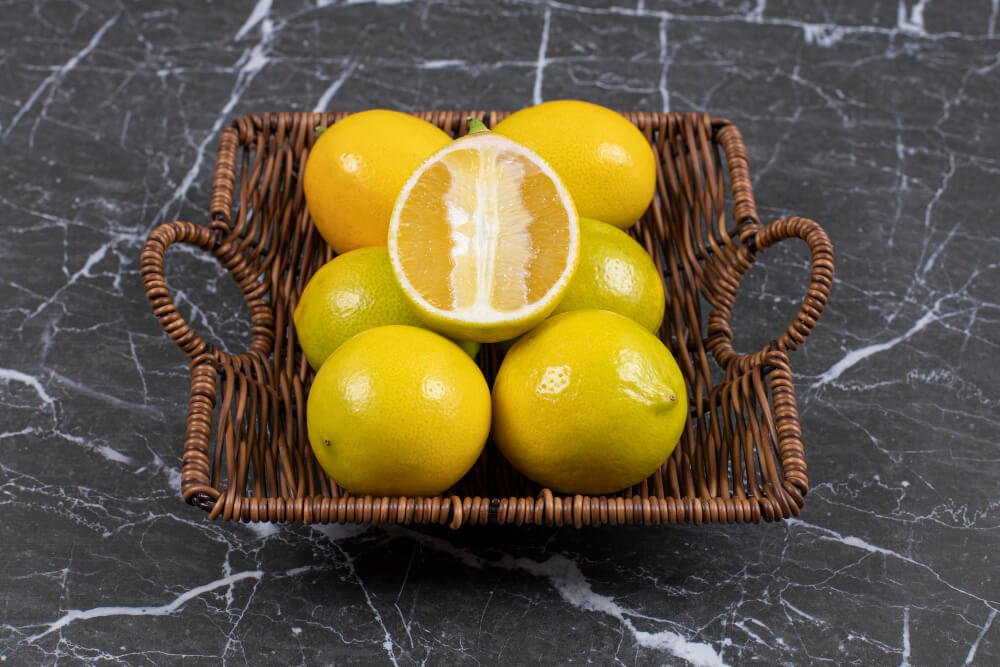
(878, 119)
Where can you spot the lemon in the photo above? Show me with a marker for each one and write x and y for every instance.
(484, 239)
(398, 411)
(349, 294)
(616, 274)
(589, 402)
(356, 169)
(605, 162)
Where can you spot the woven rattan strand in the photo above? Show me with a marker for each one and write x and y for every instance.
(246, 455)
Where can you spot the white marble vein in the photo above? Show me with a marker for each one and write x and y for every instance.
(565, 576)
(11, 375)
(821, 33)
(543, 45)
(906, 638)
(854, 357)
(664, 67)
(55, 78)
(171, 607)
(389, 643)
(971, 655)
(323, 103)
(250, 64)
(260, 12)
(828, 534)
(84, 271)
(912, 21)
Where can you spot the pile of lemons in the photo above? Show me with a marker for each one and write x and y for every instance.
(515, 235)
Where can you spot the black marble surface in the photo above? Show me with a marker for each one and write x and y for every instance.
(879, 119)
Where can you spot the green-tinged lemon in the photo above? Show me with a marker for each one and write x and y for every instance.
(349, 294)
(616, 274)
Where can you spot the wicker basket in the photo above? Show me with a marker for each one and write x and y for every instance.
(246, 455)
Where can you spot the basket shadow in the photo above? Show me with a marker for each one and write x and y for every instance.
(385, 557)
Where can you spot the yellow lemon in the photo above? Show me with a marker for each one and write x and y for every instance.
(616, 274)
(484, 239)
(605, 162)
(356, 169)
(398, 411)
(589, 402)
(349, 294)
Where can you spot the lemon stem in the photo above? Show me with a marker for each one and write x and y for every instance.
(477, 126)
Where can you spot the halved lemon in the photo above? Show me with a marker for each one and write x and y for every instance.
(484, 239)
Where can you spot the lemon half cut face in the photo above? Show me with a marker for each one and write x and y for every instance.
(484, 239)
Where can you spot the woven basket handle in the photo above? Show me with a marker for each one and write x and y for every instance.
(820, 282)
(229, 255)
